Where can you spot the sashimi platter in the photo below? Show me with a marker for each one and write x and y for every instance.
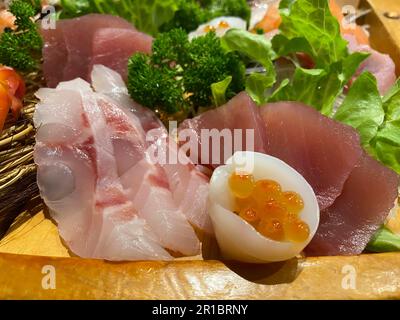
(199, 149)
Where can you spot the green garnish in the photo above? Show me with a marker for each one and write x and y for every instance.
(257, 48)
(313, 21)
(309, 27)
(147, 16)
(154, 16)
(377, 119)
(384, 241)
(177, 77)
(21, 48)
(192, 13)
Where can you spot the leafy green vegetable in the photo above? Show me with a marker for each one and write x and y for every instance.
(74, 8)
(147, 16)
(188, 16)
(233, 8)
(314, 87)
(21, 48)
(384, 241)
(284, 47)
(308, 27)
(192, 13)
(392, 102)
(154, 16)
(179, 74)
(257, 84)
(363, 108)
(258, 49)
(209, 63)
(255, 46)
(377, 119)
(313, 21)
(218, 90)
(318, 88)
(386, 145)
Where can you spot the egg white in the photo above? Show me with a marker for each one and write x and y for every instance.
(239, 240)
(234, 22)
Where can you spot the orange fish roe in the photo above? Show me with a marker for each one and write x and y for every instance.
(241, 185)
(249, 214)
(273, 212)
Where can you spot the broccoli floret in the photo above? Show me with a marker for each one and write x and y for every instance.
(235, 8)
(21, 48)
(178, 76)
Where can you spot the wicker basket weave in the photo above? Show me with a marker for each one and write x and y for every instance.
(17, 168)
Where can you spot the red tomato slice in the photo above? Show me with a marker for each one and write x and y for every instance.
(5, 104)
(14, 81)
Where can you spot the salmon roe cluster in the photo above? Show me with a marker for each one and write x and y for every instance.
(271, 211)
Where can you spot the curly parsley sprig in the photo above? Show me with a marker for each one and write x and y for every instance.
(20, 48)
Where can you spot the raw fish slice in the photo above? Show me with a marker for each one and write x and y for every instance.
(56, 116)
(324, 151)
(154, 201)
(67, 51)
(66, 184)
(156, 205)
(124, 43)
(239, 113)
(142, 244)
(379, 64)
(78, 180)
(112, 206)
(110, 83)
(349, 224)
(188, 186)
(54, 53)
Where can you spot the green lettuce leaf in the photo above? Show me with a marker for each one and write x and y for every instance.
(386, 144)
(218, 90)
(284, 46)
(363, 108)
(255, 46)
(384, 241)
(147, 16)
(309, 27)
(258, 49)
(256, 85)
(391, 102)
(313, 21)
(74, 8)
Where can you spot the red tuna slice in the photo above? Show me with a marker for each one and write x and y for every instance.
(239, 119)
(380, 65)
(113, 48)
(324, 151)
(55, 54)
(348, 225)
(69, 46)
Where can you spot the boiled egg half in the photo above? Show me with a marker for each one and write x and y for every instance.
(219, 25)
(262, 209)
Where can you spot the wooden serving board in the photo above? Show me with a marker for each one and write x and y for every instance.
(384, 27)
(33, 245)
